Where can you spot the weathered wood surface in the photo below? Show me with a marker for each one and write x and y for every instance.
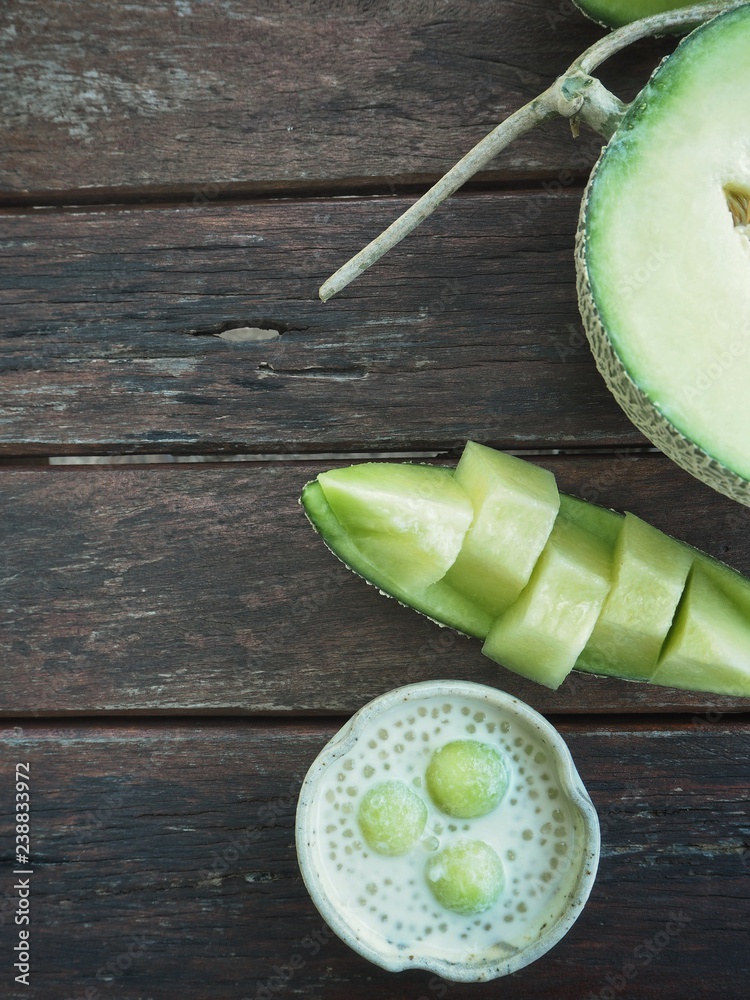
(468, 329)
(173, 589)
(164, 865)
(201, 98)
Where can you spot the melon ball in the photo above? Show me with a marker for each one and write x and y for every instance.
(466, 878)
(466, 778)
(392, 818)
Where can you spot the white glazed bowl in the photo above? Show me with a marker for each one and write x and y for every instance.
(347, 922)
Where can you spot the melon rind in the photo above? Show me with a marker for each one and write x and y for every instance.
(642, 411)
(601, 13)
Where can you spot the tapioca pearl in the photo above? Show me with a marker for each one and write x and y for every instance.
(518, 741)
(510, 855)
(558, 815)
(409, 735)
(368, 770)
(528, 834)
(348, 765)
(422, 711)
(553, 862)
(561, 847)
(372, 744)
(330, 795)
(553, 793)
(505, 727)
(508, 918)
(465, 710)
(561, 831)
(547, 828)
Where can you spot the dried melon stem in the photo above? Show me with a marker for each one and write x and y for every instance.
(575, 95)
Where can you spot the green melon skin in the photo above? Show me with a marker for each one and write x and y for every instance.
(439, 602)
(599, 521)
(664, 271)
(515, 505)
(542, 635)
(709, 647)
(410, 518)
(615, 13)
(648, 577)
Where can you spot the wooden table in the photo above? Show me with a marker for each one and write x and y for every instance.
(177, 645)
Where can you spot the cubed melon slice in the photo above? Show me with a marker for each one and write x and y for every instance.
(541, 636)
(515, 506)
(439, 601)
(599, 521)
(408, 519)
(649, 571)
(708, 648)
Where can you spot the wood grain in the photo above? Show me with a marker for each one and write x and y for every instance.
(194, 589)
(197, 100)
(470, 328)
(164, 865)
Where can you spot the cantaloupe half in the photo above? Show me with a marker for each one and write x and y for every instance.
(663, 256)
(663, 246)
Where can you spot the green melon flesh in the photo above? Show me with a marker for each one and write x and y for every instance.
(541, 636)
(439, 601)
(709, 647)
(515, 506)
(664, 256)
(599, 521)
(615, 13)
(649, 571)
(411, 519)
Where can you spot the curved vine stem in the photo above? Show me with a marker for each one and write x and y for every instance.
(575, 95)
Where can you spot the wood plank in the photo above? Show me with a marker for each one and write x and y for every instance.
(164, 861)
(200, 99)
(470, 328)
(194, 589)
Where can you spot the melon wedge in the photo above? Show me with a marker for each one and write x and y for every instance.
(648, 577)
(544, 632)
(601, 596)
(515, 505)
(663, 257)
(709, 647)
